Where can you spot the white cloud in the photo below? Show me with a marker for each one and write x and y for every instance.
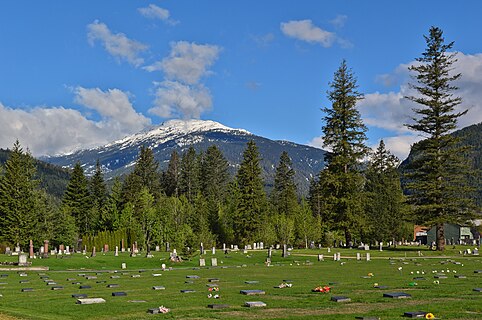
(400, 145)
(118, 45)
(53, 130)
(113, 105)
(187, 62)
(154, 12)
(318, 142)
(305, 30)
(174, 99)
(339, 21)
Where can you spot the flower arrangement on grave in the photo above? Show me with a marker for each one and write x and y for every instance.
(213, 289)
(324, 289)
(429, 316)
(285, 285)
(370, 274)
(163, 309)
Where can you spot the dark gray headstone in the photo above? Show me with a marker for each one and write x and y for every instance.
(85, 287)
(460, 276)
(119, 294)
(367, 318)
(478, 271)
(192, 277)
(153, 311)
(340, 299)
(218, 306)
(415, 314)
(112, 286)
(24, 281)
(381, 287)
(27, 289)
(397, 295)
(439, 276)
(79, 295)
(419, 278)
(477, 289)
(57, 288)
(188, 291)
(251, 282)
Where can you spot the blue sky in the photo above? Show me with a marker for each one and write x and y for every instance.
(77, 74)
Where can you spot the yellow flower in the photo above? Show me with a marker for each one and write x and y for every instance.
(429, 316)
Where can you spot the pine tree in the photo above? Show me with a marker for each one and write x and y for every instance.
(284, 195)
(438, 186)
(145, 174)
(98, 193)
(76, 200)
(344, 135)
(110, 215)
(252, 199)
(189, 175)
(385, 203)
(18, 198)
(171, 176)
(148, 218)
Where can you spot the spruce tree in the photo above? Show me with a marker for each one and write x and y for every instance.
(98, 192)
(18, 198)
(344, 136)
(171, 176)
(385, 203)
(437, 176)
(189, 175)
(252, 198)
(76, 201)
(284, 195)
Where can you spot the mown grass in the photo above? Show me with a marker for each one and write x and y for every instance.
(452, 298)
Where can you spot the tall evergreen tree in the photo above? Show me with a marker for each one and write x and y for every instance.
(284, 195)
(145, 174)
(438, 187)
(98, 193)
(110, 214)
(189, 175)
(252, 199)
(171, 176)
(385, 203)
(18, 198)
(344, 135)
(76, 201)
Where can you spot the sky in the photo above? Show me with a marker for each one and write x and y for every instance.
(80, 74)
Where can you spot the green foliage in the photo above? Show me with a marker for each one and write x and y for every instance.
(385, 203)
(252, 200)
(189, 175)
(18, 198)
(338, 197)
(284, 195)
(437, 177)
(77, 201)
(172, 175)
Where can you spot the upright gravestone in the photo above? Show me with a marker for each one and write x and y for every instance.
(106, 247)
(168, 248)
(158, 249)
(136, 249)
(368, 256)
(224, 247)
(338, 256)
(61, 249)
(22, 260)
(320, 257)
(46, 248)
(202, 262)
(116, 254)
(30, 250)
(261, 246)
(93, 252)
(67, 250)
(133, 254)
(358, 256)
(214, 262)
(213, 250)
(123, 265)
(285, 251)
(381, 246)
(329, 249)
(270, 252)
(335, 256)
(201, 248)
(255, 246)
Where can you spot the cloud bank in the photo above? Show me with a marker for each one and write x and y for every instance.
(154, 12)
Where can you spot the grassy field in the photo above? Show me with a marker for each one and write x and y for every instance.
(451, 298)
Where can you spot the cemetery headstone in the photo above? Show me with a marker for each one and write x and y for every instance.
(340, 299)
(358, 256)
(214, 262)
(397, 295)
(46, 248)
(123, 265)
(320, 257)
(213, 250)
(368, 256)
(116, 253)
(202, 262)
(252, 292)
(218, 306)
(122, 246)
(254, 304)
(201, 248)
(22, 260)
(158, 249)
(30, 250)
(90, 300)
(285, 251)
(93, 252)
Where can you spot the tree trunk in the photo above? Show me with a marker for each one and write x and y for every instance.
(348, 236)
(440, 234)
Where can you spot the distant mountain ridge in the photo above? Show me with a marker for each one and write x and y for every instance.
(119, 157)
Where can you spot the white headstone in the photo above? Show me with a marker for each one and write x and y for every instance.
(214, 262)
(202, 262)
(158, 249)
(335, 256)
(22, 260)
(213, 250)
(329, 249)
(67, 250)
(261, 246)
(163, 266)
(368, 256)
(358, 256)
(381, 246)
(224, 247)
(123, 265)
(320, 257)
(338, 256)
(116, 254)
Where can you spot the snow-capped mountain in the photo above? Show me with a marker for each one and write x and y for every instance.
(119, 157)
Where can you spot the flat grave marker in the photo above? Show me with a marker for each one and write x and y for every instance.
(79, 295)
(57, 288)
(415, 314)
(397, 295)
(27, 290)
(251, 282)
(252, 292)
(137, 301)
(85, 287)
(188, 291)
(119, 294)
(113, 285)
(192, 277)
(367, 318)
(90, 300)
(158, 288)
(477, 289)
(218, 306)
(381, 287)
(213, 280)
(254, 304)
(340, 299)
(460, 276)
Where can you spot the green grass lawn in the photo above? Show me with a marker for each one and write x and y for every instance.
(451, 298)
